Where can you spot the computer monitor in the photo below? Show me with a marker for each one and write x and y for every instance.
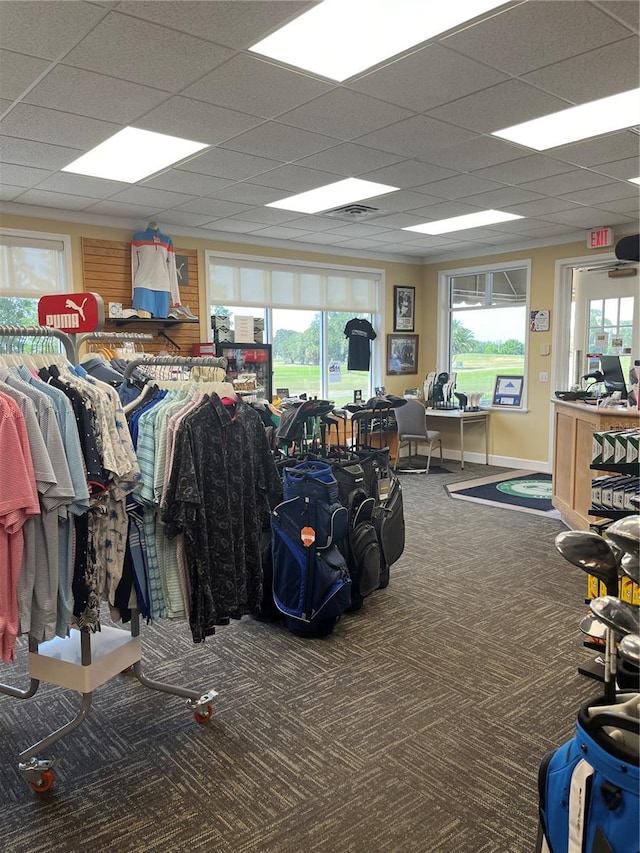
(613, 375)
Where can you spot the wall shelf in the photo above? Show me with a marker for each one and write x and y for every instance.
(145, 321)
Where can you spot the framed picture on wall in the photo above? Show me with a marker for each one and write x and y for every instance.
(508, 391)
(402, 354)
(404, 300)
(182, 268)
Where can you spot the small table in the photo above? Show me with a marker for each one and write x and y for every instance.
(481, 416)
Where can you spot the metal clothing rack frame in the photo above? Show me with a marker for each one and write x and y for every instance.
(176, 361)
(86, 660)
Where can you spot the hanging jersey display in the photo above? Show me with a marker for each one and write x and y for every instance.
(153, 272)
(359, 332)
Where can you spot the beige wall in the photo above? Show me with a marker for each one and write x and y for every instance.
(517, 436)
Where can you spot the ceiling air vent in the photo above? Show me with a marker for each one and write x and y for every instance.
(354, 212)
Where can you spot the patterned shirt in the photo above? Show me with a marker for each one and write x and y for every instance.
(223, 480)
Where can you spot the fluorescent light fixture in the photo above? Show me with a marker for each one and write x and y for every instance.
(593, 119)
(332, 195)
(635, 180)
(461, 223)
(133, 154)
(340, 38)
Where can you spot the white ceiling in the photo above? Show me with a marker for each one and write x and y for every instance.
(74, 73)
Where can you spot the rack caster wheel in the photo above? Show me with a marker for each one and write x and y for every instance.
(47, 778)
(203, 718)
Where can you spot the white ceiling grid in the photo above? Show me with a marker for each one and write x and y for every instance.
(73, 74)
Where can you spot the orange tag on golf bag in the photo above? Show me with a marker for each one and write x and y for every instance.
(308, 536)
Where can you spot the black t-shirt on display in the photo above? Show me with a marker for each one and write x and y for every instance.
(359, 332)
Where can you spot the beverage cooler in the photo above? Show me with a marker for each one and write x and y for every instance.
(249, 359)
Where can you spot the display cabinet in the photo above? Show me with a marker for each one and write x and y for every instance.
(249, 359)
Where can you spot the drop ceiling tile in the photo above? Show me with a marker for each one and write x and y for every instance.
(188, 220)
(568, 182)
(459, 186)
(503, 199)
(8, 193)
(449, 75)
(623, 169)
(46, 29)
(609, 192)
(25, 152)
(323, 239)
(294, 179)
(349, 161)
(178, 180)
(41, 198)
(123, 211)
(22, 176)
(401, 201)
(588, 217)
(65, 182)
(313, 223)
(237, 25)
(477, 154)
(230, 165)
(279, 142)
(248, 193)
(409, 174)
(94, 95)
(344, 114)
(500, 106)
(533, 35)
(524, 169)
(518, 226)
(279, 232)
(394, 236)
(145, 53)
(194, 120)
(357, 230)
(596, 74)
(366, 245)
(257, 87)
(627, 11)
(550, 231)
(213, 207)
(143, 196)
(58, 128)
(18, 72)
(267, 216)
(541, 207)
(613, 146)
(234, 226)
(625, 205)
(399, 220)
(475, 234)
(418, 137)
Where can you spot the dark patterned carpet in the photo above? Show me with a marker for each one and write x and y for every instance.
(416, 726)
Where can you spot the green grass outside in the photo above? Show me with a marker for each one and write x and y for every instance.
(476, 372)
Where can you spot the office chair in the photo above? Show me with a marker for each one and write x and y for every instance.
(412, 427)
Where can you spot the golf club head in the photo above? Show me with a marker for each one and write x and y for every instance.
(593, 627)
(625, 533)
(630, 565)
(622, 617)
(588, 551)
(629, 648)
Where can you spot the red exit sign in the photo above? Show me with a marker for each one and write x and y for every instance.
(598, 238)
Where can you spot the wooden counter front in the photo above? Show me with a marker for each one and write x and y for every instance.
(574, 425)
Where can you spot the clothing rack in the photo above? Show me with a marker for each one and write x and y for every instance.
(175, 361)
(112, 336)
(84, 660)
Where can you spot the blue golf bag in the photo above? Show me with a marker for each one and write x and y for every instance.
(589, 788)
(311, 583)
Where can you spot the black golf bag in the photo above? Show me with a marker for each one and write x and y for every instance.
(589, 788)
(311, 582)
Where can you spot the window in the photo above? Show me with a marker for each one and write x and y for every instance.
(483, 325)
(31, 265)
(304, 310)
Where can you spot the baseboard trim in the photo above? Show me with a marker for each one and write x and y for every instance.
(501, 461)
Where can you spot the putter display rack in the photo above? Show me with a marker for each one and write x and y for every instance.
(621, 474)
(85, 660)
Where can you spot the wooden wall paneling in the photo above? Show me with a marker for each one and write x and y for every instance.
(106, 269)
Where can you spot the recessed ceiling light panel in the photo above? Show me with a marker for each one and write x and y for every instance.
(635, 180)
(461, 223)
(340, 38)
(582, 122)
(332, 195)
(133, 154)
